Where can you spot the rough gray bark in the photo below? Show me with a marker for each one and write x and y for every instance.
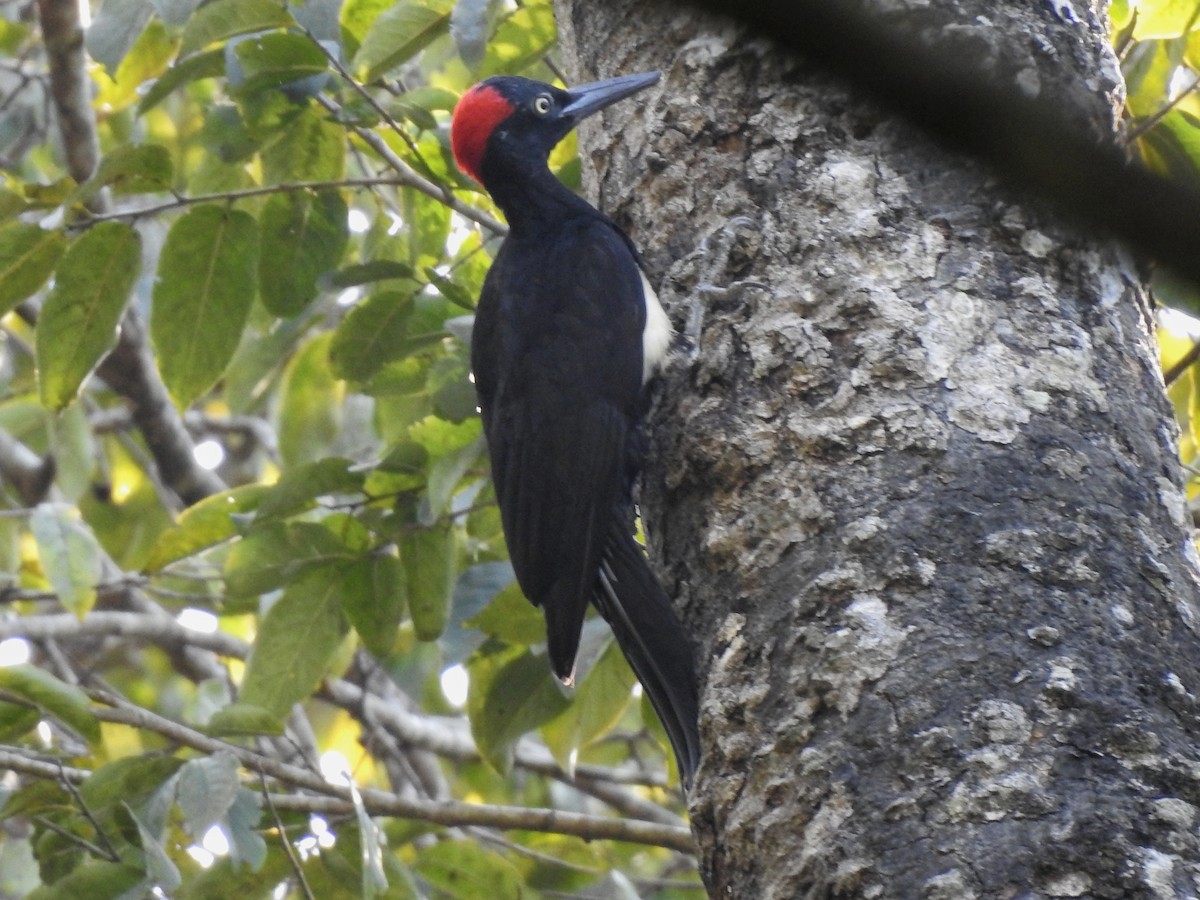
(917, 495)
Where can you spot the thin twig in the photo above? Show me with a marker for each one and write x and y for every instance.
(1150, 121)
(29, 762)
(336, 799)
(76, 839)
(448, 738)
(241, 194)
(283, 839)
(100, 832)
(361, 90)
(411, 178)
(1171, 375)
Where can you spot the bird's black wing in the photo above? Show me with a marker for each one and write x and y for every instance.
(557, 358)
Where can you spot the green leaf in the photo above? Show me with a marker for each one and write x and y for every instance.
(131, 169)
(311, 148)
(159, 867)
(210, 64)
(445, 474)
(1164, 19)
(271, 557)
(28, 254)
(1147, 74)
(1177, 139)
(205, 789)
(228, 141)
(309, 404)
(12, 36)
(176, 12)
(303, 237)
(299, 487)
(115, 29)
(225, 18)
(1174, 291)
(70, 436)
(63, 701)
(399, 34)
(373, 878)
(474, 590)
(402, 470)
(99, 880)
(10, 550)
(428, 555)
(37, 798)
(296, 641)
(69, 555)
(45, 196)
(597, 706)
(365, 273)
(358, 15)
(11, 203)
(234, 876)
(372, 334)
(511, 692)
(206, 278)
(241, 826)
(419, 105)
(374, 601)
(78, 324)
(522, 39)
(511, 618)
(469, 28)
(126, 783)
(16, 721)
(245, 719)
(457, 294)
(204, 524)
(427, 227)
(149, 57)
(466, 871)
(276, 59)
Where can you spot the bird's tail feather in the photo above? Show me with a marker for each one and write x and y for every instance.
(649, 634)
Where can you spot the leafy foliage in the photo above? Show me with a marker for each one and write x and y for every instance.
(266, 270)
(1159, 45)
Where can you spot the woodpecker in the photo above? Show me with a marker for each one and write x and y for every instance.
(567, 333)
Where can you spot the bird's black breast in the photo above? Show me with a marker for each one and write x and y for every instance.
(557, 359)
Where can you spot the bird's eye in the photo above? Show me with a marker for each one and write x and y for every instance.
(542, 104)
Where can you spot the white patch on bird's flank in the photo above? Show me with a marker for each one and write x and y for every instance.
(656, 336)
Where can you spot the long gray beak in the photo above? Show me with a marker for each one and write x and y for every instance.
(590, 98)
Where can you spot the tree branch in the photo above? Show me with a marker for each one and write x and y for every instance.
(446, 737)
(129, 369)
(242, 194)
(29, 763)
(335, 799)
(70, 86)
(29, 474)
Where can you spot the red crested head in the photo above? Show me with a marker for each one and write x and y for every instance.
(506, 126)
(476, 116)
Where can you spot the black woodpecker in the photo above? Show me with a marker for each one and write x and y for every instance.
(567, 333)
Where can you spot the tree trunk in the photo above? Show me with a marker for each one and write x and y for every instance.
(917, 493)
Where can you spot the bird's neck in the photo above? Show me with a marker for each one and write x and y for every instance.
(531, 197)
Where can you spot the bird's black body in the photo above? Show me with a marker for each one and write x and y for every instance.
(560, 353)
